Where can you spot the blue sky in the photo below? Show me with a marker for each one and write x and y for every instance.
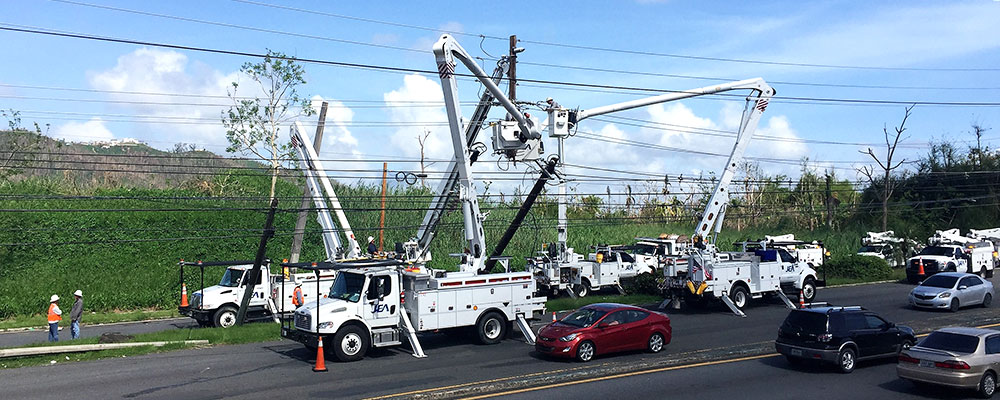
(931, 36)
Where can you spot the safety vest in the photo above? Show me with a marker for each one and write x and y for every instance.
(53, 315)
(297, 297)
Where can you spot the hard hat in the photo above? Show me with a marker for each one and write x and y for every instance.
(371, 239)
(548, 99)
(54, 298)
(78, 293)
(297, 284)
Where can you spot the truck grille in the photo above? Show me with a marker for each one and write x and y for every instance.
(303, 321)
(196, 300)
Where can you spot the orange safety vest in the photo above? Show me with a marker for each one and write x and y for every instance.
(53, 317)
(297, 296)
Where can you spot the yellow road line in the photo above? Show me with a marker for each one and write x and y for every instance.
(477, 383)
(624, 375)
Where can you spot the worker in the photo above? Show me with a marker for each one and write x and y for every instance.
(297, 299)
(75, 314)
(55, 315)
(552, 104)
(372, 248)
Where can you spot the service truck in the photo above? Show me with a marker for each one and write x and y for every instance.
(379, 306)
(948, 251)
(887, 246)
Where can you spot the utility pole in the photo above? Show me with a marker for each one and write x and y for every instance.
(512, 70)
(254, 275)
(381, 222)
(829, 201)
(300, 223)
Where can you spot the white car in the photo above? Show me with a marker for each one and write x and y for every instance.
(951, 291)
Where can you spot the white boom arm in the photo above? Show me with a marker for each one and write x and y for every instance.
(446, 50)
(315, 178)
(983, 234)
(950, 236)
(880, 237)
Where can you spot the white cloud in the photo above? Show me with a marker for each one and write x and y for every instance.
(89, 131)
(416, 90)
(338, 116)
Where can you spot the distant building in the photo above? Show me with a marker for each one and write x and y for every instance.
(124, 142)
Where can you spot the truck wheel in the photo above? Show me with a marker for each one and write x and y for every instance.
(740, 296)
(809, 290)
(989, 273)
(492, 327)
(350, 343)
(583, 289)
(225, 317)
(951, 268)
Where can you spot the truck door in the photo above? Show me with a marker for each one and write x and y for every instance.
(382, 301)
(259, 288)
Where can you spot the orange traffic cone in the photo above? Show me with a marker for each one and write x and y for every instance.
(184, 295)
(553, 316)
(921, 270)
(802, 299)
(320, 361)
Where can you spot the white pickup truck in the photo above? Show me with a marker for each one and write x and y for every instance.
(217, 305)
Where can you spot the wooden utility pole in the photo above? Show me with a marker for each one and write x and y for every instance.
(829, 201)
(381, 223)
(512, 70)
(300, 223)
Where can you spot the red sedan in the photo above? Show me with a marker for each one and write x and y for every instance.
(604, 328)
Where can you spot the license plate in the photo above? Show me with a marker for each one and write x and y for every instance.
(795, 352)
(927, 364)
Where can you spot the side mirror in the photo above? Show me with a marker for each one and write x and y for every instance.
(603, 325)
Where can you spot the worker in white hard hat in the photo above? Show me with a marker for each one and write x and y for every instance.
(75, 314)
(55, 315)
(552, 103)
(372, 248)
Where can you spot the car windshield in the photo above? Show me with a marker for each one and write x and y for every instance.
(870, 249)
(583, 317)
(937, 251)
(347, 286)
(953, 342)
(231, 278)
(940, 281)
(805, 321)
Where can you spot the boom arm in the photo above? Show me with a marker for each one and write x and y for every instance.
(316, 177)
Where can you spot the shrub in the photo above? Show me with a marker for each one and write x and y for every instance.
(642, 284)
(858, 267)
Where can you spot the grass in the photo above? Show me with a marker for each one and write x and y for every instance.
(898, 274)
(39, 321)
(569, 303)
(249, 333)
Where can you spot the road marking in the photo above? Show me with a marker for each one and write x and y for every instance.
(478, 383)
(623, 375)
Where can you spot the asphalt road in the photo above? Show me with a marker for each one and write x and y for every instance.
(456, 366)
(21, 338)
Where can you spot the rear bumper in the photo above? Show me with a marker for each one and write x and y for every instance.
(806, 353)
(914, 372)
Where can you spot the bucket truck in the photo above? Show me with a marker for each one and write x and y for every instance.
(887, 246)
(383, 305)
(948, 251)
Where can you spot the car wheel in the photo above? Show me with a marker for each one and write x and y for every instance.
(350, 343)
(846, 360)
(740, 296)
(225, 317)
(954, 305)
(987, 385)
(809, 290)
(492, 327)
(987, 300)
(655, 343)
(585, 351)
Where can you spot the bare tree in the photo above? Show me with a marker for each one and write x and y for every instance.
(979, 130)
(887, 166)
(422, 139)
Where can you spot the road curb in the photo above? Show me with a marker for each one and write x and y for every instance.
(859, 284)
(79, 348)
(45, 328)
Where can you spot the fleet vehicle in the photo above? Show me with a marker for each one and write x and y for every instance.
(604, 328)
(813, 253)
(962, 358)
(840, 335)
(217, 305)
(951, 291)
(379, 306)
(885, 245)
(790, 252)
(949, 251)
(604, 267)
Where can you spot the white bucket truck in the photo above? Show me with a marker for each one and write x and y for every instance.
(948, 251)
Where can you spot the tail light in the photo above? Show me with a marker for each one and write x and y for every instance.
(402, 296)
(907, 359)
(952, 364)
(826, 337)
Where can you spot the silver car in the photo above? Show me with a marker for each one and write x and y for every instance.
(967, 358)
(952, 290)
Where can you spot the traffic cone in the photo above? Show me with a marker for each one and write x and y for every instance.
(320, 361)
(802, 299)
(921, 270)
(184, 295)
(553, 316)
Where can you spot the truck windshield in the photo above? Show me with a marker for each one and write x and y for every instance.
(583, 317)
(347, 287)
(231, 278)
(937, 251)
(870, 249)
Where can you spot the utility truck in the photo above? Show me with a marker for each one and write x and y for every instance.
(948, 251)
(798, 260)
(887, 246)
(217, 305)
(379, 306)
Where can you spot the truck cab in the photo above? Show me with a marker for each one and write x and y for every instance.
(974, 258)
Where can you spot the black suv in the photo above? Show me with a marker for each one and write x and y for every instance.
(840, 335)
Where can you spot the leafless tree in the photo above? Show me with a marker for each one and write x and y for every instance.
(422, 139)
(887, 166)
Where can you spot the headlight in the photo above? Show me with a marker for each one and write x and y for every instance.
(569, 337)
(325, 325)
(945, 295)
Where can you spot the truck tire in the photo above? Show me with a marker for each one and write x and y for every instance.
(583, 289)
(491, 328)
(809, 290)
(989, 273)
(350, 343)
(225, 317)
(951, 267)
(740, 296)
